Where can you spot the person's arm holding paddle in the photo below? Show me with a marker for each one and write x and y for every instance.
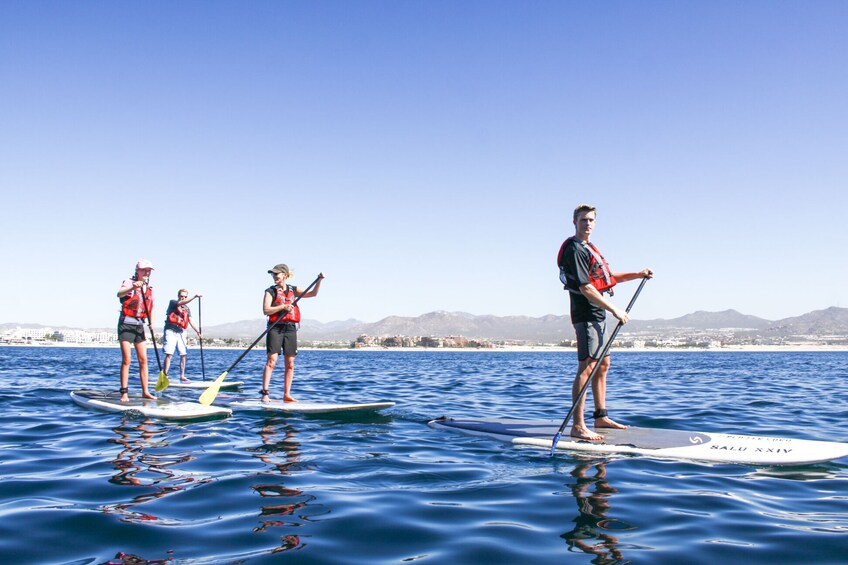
(595, 297)
(310, 293)
(190, 318)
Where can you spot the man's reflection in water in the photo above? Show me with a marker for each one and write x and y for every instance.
(280, 452)
(132, 464)
(591, 526)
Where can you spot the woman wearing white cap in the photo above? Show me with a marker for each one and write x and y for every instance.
(136, 296)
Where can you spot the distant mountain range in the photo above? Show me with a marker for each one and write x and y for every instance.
(546, 329)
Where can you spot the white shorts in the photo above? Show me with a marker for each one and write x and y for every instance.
(174, 340)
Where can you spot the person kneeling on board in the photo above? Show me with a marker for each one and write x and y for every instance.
(279, 305)
(586, 276)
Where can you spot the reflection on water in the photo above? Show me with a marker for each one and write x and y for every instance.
(132, 464)
(280, 452)
(592, 526)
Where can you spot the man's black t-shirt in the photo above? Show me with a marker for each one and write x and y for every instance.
(575, 261)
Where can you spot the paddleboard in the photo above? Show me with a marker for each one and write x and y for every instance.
(310, 407)
(656, 442)
(163, 408)
(226, 385)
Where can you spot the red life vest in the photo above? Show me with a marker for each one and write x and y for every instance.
(599, 271)
(284, 296)
(179, 317)
(132, 305)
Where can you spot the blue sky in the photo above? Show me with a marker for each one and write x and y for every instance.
(423, 155)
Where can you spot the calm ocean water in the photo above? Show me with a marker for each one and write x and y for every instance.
(85, 487)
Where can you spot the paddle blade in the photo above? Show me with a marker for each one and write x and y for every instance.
(162, 383)
(554, 443)
(208, 396)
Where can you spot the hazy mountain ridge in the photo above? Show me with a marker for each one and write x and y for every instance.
(830, 321)
(545, 329)
(548, 328)
(702, 320)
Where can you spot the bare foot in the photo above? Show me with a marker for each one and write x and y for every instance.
(184, 380)
(607, 422)
(147, 395)
(582, 432)
(125, 397)
(266, 398)
(289, 398)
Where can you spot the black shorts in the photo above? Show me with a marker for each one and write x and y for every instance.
(591, 339)
(133, 333)
(282, 338)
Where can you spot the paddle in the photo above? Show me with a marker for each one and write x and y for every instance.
(200, 328)
(210, 393)
(162, 382)
(594, 370)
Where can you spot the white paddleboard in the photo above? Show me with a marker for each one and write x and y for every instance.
(226, 385)
(310, 407)
(660, 443)
(163, 408)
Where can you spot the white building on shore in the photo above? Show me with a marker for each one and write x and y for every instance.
(24, 336)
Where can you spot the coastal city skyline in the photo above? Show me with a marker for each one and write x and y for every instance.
(701, 330)
(424, 156)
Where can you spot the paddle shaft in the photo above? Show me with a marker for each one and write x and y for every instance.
(598, 363)
(272, 326)
(150, 325)
(200, 332)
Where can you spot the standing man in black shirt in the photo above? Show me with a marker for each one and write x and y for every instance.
(587, 276)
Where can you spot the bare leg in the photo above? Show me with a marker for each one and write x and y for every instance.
(182, 368)
(126, 359)
(579, 429)
(599, 392)
(141, 353)
(266, 374)
(289, 377)
(167, 364)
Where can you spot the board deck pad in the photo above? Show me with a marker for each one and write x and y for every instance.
(311, 407)
(226, 385)
(164, 408)
(657, 442)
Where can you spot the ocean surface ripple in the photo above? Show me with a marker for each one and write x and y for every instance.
(84, 487)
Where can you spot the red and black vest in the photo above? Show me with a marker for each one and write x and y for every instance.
(599, 271)
(178, 316)
(283, 296)
(133, 305)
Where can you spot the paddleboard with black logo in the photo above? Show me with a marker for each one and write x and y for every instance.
(657, 442)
